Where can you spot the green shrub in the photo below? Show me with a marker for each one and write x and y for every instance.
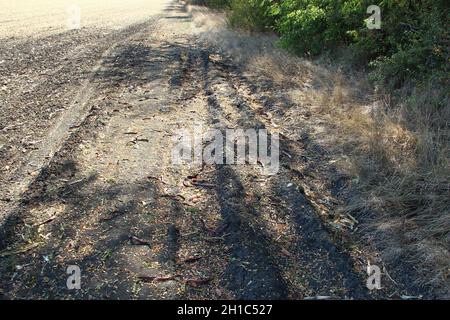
(412, 44)
(415, 51)
(314, 26)
(251, 14)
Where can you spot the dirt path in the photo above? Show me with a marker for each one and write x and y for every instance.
(111, 201)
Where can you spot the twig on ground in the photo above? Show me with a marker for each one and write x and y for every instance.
(139, 241)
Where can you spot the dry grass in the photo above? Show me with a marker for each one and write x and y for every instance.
(398, 151)
(257, 53)
(396, 148)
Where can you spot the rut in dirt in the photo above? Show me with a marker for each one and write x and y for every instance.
(325, 270)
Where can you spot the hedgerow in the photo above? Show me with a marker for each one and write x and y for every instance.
(412, 44)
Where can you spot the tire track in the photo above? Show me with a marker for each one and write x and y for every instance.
(252, 272)
(315, 258)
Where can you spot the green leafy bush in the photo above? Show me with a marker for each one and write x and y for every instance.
(251, 14)
(412, 44)
(415, 50)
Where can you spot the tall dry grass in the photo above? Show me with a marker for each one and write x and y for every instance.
(398, 150)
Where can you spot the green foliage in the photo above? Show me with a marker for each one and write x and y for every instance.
(415, 44)
(412, 44)
(251, 14)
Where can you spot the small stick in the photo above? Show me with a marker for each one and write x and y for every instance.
(139, 241)
(197, 282)
(45, 221)
(158, 279)
(191, 259)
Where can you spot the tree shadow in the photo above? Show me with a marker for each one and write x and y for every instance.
(97, 231)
